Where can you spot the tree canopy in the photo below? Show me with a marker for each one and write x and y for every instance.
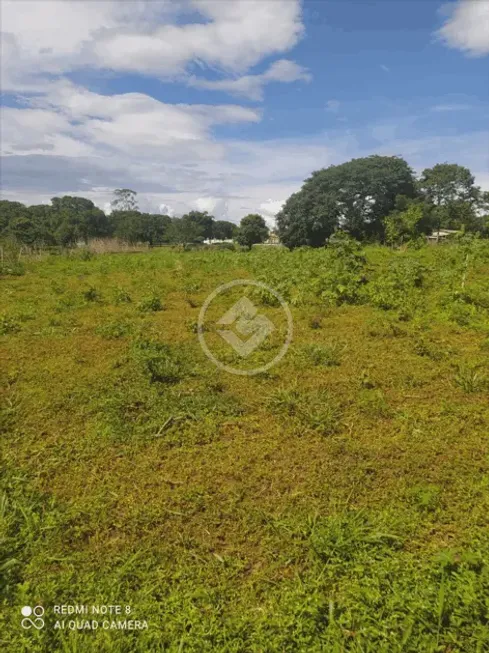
(355, 196)
(124, 200)
(451, 189)
(379, 198)
(185, 230)
(224, 230)
(252, 230)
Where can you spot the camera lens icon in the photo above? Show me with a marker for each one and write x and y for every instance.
(27, 612)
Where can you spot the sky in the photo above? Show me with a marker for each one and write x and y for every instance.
(229, 105)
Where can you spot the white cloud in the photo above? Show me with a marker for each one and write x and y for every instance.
(385, 68)
(252, 86)
(269, 210)
(165, 209)
(212, 205)
(38, 131)
(142, 36)
(467, 27)
(71, 121)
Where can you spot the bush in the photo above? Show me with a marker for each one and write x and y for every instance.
(151, 304)
(10, 264)
(8, 325)
(470, 379)
(160, 363)
(122, 296)
(92, 295)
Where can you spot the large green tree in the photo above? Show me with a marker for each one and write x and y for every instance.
(136, 227)
(355, 196)
(224, 230)
(42, 216)
(155, 228)
(185, 230)
(125, 199)
(252, 230)
(77, 218)
(10, 211)
(452, 191)
(29, 225)
(127, 226)
(203, 220)
(307, 219)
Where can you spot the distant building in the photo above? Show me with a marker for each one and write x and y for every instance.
(442, 235)
(273, 239)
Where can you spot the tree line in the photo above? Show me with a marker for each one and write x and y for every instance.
(376, 198)
(70, 220)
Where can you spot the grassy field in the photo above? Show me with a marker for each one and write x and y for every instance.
(337, 502)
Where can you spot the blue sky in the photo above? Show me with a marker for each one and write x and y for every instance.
(229, 105)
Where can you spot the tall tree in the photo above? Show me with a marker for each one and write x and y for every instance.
(356, 196)
(127, 226)
(43, 218)
(252, 230)
(155, 228)
(307, 220)
(224, 230)
(77, 218)
(9, 211)
(27, 224)
(24, 230)
(203, 220)
(136, 227)
(184, 231)
(124, 200)
(452, 191)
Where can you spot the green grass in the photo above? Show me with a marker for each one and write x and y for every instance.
(337, 502)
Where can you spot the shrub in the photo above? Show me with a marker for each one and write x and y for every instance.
(160, 363)
(8, 325)
(426, 497)
(150, 304)
(343, 280)
(340, 539)
(433, 350)
(122, 296)
(92, 295)
(470, 379)
(10, 264)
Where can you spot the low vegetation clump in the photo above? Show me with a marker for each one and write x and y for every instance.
(337, 501)
(150, 304)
